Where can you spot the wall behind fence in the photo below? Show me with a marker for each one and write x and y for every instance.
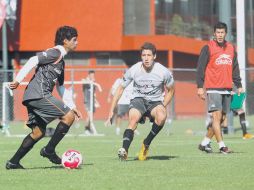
(186, 103)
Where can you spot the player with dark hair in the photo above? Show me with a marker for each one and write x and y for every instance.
(217, 70)
(150, 80)
(91, 103)
(41, 105)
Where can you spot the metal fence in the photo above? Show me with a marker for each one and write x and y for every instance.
(185, 102)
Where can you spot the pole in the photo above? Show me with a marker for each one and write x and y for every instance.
(241, 47)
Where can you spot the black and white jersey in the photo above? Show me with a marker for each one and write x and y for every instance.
(49, 70)
(148, 85)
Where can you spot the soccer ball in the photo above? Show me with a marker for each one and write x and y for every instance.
(71, 159)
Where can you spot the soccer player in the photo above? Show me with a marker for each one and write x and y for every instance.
(216, 71)
(123, 103)
(90, 106)
(41, 105)
(150, 81)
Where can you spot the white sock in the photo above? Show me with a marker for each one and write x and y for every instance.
(221, 144)
(205, 141)
(117, 131)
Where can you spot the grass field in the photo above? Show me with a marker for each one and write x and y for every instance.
(174, 162)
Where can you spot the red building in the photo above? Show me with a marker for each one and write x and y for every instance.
(107, 41)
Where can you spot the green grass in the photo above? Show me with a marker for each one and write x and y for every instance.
(174, 162)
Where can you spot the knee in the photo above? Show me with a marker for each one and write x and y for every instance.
(68, 118)
(38, 133)
(160, 118)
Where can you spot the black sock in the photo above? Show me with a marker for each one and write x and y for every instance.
(25, 147)
(154, 131)
(127, 138)
(60, 132)
(243, 123)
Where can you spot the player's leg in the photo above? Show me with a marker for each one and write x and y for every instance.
(118, 123)
(122, 111)
(224, 125)
(243, 122)
(49, 109)
(134, 117)
(159, 115)
(29, 141)
(137, 109)
(205, 144)
(61, 130)
(87, 124)
(226, 101)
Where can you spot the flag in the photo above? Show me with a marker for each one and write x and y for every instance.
(10, 7)
(2, 13)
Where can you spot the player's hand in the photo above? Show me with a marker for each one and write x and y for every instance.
(239, 91)
(201, 93)
(77, 113)
(110, 119)
(13, 85)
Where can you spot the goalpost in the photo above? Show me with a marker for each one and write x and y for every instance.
(15, 98)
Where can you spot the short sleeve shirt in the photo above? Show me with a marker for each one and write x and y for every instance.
(148, 85)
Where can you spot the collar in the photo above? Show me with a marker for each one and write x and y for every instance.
(61, 49)
(223, 44)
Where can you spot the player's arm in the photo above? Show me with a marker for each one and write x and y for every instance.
(30, 64)
(236, 75)
(169, 88)
(169, 95)
(117, 96)
(202, 64)
(98, 86)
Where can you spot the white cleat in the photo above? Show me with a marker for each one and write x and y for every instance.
(122, 154)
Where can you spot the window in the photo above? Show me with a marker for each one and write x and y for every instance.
(109, 58)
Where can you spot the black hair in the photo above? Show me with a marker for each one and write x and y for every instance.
(220, 25)
(91, 71)
(65, 32)
(149, 46)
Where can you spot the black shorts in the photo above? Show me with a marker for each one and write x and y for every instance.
(42, 111)
(144, 107)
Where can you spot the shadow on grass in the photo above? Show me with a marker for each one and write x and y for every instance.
(162, 157)
(57, 167)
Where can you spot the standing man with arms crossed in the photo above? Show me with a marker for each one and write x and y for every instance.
(150, 79)
(41, 105)
(216, 71)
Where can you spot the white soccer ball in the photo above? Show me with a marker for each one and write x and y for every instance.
(71, 159)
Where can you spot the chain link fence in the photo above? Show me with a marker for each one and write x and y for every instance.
(184, 104)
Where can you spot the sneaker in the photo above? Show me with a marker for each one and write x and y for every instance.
(10, 166)
(51, 156)
(207, 148)
(122, 154)
(143, 152)
(225, 150)
(87, 132)
(248, 136)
